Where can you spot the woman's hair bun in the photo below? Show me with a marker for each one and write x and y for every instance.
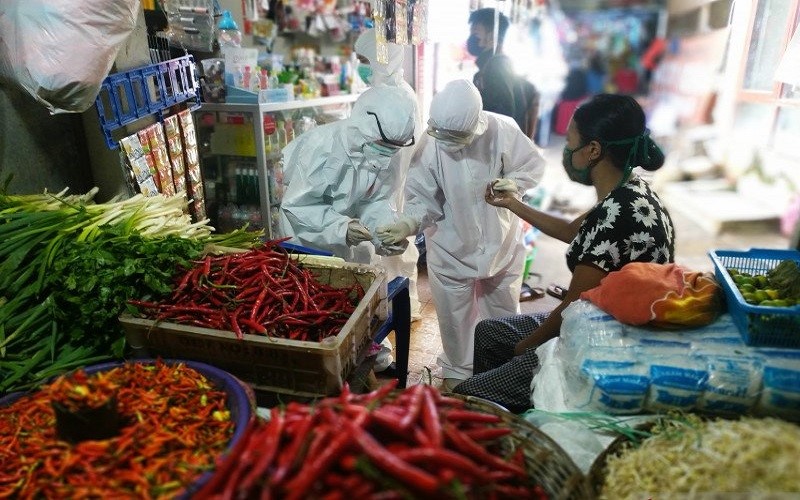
(649, 156)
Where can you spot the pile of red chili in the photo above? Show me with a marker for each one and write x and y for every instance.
(262, 291)
(81, 391)
(384, 445)
(175, 425)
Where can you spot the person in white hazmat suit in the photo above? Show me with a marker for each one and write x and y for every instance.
(390, 74)
(475, 252)
(338, 184)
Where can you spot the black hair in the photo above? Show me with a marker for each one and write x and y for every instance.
(485, 18)
(607, 118)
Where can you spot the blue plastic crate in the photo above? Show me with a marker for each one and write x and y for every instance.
(760, 326)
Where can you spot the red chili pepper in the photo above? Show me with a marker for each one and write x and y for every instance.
(387, 495)
(415, 406)
(465, 445)
(268, 447)
(379, 393)
(430, 419)
(487, 433)
(299, 485)
(290, 454)
(471, 416)
(392, 464)
(387, 420)
(234, 319)
(256, 327)
(445, 458)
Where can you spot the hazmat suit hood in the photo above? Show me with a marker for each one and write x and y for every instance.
(394, 110)
(458, 107)
(333, 175)
(390, 73)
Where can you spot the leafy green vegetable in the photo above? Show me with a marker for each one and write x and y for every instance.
(785, 277)
(68, 267)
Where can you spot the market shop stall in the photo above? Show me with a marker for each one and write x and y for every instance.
(722, 397)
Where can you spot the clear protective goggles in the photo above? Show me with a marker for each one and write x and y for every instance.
(451, 136)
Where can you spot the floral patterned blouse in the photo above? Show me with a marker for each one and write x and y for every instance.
(629, 225)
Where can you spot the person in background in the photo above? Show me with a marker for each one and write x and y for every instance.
(596, 73)
(606, 139)
(339, 184)
(390, 74)
(575, 91)
(475, 251)
(501, 89)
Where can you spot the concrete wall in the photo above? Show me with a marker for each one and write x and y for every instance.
(40, 151)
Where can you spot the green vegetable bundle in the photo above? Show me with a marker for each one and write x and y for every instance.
(69, 265)
(785, 277)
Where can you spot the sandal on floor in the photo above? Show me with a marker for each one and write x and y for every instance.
(556, 291)
(530, 293)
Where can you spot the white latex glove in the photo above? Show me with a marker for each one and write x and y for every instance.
(392, 249)
(504, 185)
(397, 232)
(356, 233)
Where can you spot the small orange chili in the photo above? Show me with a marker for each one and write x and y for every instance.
(161, 427)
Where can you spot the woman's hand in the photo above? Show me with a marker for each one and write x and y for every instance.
(499, 198)
(525, 344)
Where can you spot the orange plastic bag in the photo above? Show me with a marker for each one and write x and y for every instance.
(663, 295)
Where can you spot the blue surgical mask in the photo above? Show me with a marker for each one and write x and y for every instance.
(365, 72)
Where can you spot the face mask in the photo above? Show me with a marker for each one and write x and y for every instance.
(382, 150)
(375, 157)
(450, 147)
(474, 45)
(365, 72)
(579, 176)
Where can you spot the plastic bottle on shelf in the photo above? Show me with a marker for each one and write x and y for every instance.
(281, 133)
(238, 194)
(289, 130)
(255, 80)
(269, 134)
(277, 177)
(228, 34)
(344, 77)
(254, 194)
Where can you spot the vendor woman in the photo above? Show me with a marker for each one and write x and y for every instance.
(606, 139)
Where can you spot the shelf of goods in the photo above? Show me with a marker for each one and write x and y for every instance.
(128, 96)
(240, 149)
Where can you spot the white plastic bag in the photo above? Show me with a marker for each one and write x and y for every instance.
(60, 51)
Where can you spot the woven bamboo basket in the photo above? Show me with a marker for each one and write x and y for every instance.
(597, 472)
(622, 444)
(547, 463)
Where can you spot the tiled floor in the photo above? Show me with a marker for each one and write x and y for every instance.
(692, 246)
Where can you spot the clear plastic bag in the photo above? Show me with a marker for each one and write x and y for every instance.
(60, 51)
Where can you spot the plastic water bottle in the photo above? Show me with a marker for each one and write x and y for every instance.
(228, 34)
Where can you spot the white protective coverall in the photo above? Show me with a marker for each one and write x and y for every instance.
(475, 251)
(391, 75)
(334, 175)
